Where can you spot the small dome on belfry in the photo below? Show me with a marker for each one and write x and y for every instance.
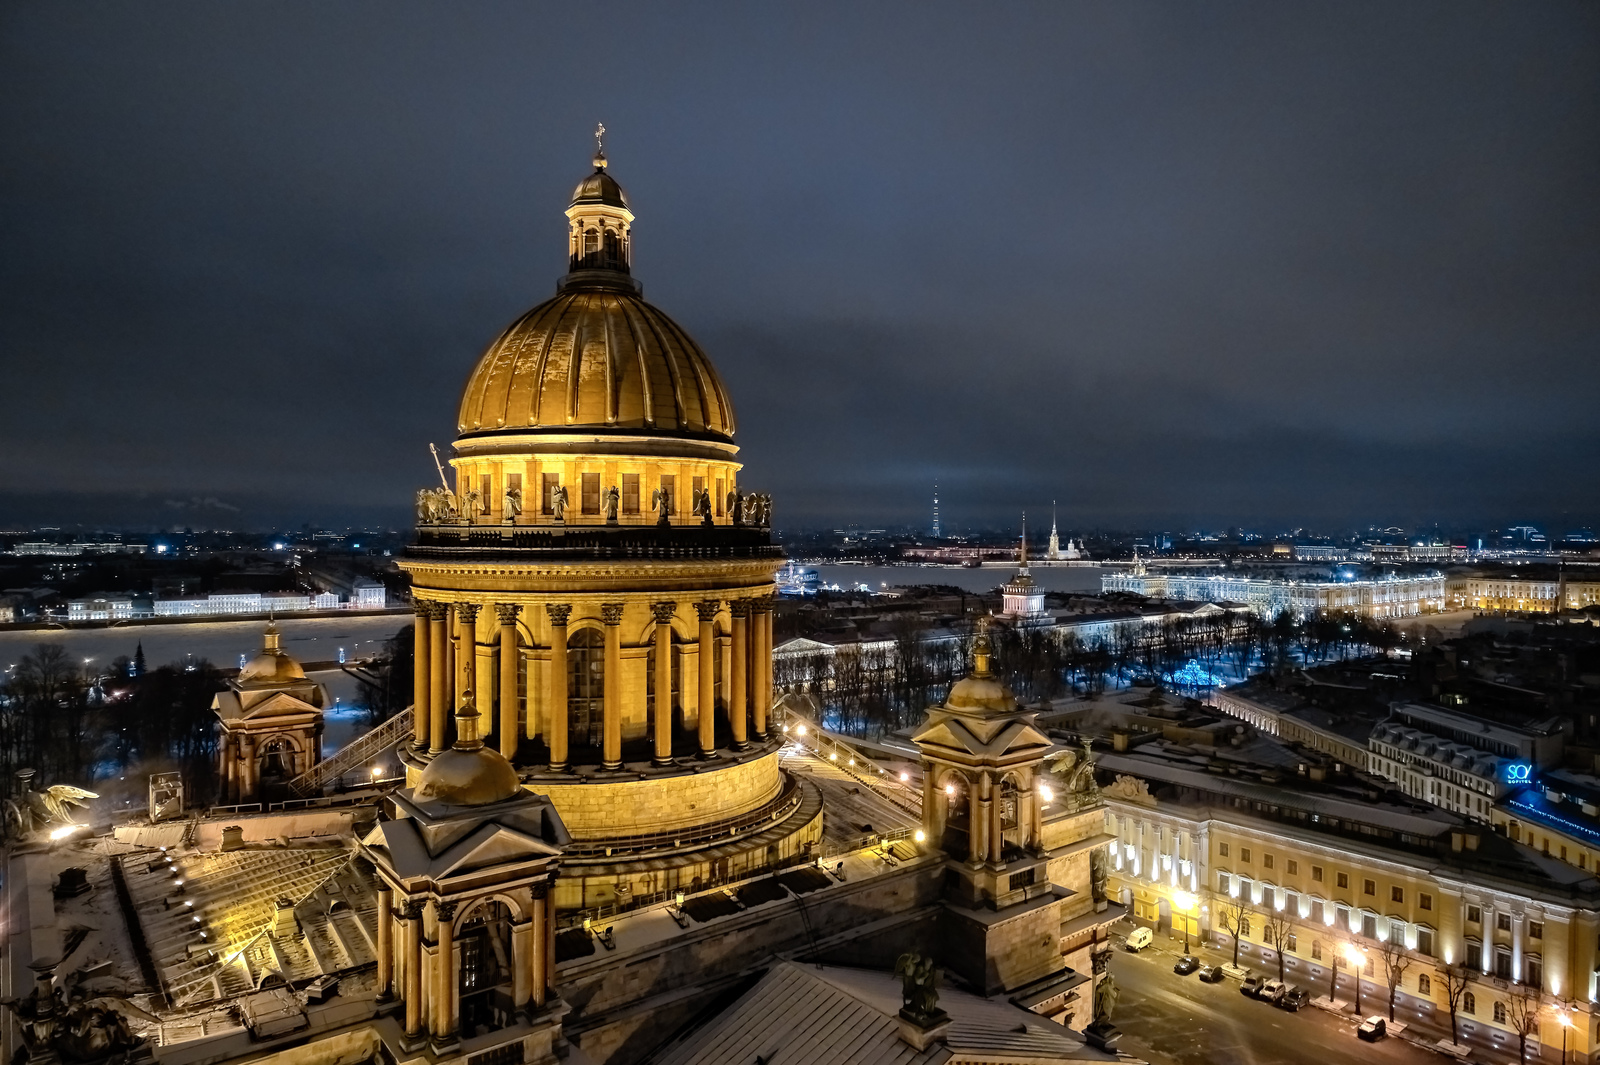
(468, 774)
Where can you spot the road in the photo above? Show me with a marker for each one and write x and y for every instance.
(1169, 1019)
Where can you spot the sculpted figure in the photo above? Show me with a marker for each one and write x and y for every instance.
(609, 502)
(558, 502)
(513, 503)
(702, 506)
(1105, 998)
(1097, 873)
(736, 507)
(424, 506)
(472, 502)
(661, 499)
(919, 985)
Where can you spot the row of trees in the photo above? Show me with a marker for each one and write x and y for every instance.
(1519, 1010)
(880, 685)
(60, 721)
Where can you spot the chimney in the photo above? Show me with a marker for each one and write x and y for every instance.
(1119, 741)
(284, 924)
(232, 837)
(1456, 839)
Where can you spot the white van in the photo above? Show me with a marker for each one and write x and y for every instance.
(1139, 938)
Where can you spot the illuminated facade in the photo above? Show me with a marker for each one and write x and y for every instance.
(1390, 597)
(270, 721)
(1520, 595)
(596, 577)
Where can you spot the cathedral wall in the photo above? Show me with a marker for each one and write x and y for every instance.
(662, 804)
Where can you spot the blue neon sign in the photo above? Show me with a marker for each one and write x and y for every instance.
(1519, 773)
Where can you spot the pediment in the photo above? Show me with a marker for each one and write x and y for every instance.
(1007, 736)
(491, 845)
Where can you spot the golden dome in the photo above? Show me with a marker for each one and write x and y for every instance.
(468, 774)
(600, 187)
(273, 665)
(596, 357)
(981, 691)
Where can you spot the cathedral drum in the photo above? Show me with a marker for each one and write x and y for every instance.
(593, 572)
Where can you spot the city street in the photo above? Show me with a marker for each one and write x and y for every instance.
(1169, 1019)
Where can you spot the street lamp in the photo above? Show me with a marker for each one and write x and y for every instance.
(1184, 902)
(1357, 958)
(1564, 1015)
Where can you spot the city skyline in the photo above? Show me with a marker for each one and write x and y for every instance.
(1274, 266)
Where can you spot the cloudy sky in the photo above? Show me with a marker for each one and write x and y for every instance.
(1323, 264)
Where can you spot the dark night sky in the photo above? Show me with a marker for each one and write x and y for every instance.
(1308, 263)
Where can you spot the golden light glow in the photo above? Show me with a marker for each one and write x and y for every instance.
(905, 778)
(1185, 901)
(800, 730)
(64, 831)
(1047, 793)
(1354, 955)
(950, 790)
(919, 835)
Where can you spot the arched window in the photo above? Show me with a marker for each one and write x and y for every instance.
(591, 242)
(1424, 985)
(1499, 1013)
(957, 807)
(586, 687)
(1008, 802)
(1469, 1003)
(277, 760)
(484, 962)
(613, 249)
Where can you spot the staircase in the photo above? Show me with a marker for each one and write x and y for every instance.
(357, 753)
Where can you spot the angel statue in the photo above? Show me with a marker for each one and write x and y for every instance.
(424, 507)
(1105, 998)
(558, 502)
(702, 506)
(736, 507)
(610, 501)
(661, 499)
(36, 809)
(472, 501)
(919, 987)
(513, 503)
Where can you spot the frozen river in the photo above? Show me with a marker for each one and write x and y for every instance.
(220, 642)
(1050, 578)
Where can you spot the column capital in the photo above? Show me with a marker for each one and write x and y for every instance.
(740, 608)
(411, 910)
(467, 612)
(507, 612)
(761, 604)
(559, 613)
(611, 613)
(707, 609)
(539, 890)
(664, 612)
(431, 609)
(445, 911)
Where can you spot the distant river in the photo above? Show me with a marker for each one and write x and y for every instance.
(220, 642)
(1050, 578)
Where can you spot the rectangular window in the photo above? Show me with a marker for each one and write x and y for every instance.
(1224, 882)
(630, 493)
(1536, 930)
(1397, 894)
(1425, 941)
(1316, 873)
(1244, 854)
(1424, 901)
(1294, 867)
(1475, 957)
(1293, 941)
(485, 494)
(548, 483)
(1316, 912)
(1343, 880)
(591, 493)
(1474, 915)
(1369, 926)
(1502, 964)
(1222, 849)
(722, 496)
(1369, 887)
(1316, 950)
(1535, 975)
(699, 486)
(1502, 921)
(669, 485)
(1266, 861)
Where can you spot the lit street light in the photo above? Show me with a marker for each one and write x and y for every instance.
(1357, 959)
(1184, 903)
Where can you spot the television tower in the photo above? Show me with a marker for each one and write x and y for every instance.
(936, 512)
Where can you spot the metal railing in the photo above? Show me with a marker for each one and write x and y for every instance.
(358, 752)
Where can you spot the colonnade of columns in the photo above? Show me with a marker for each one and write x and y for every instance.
(441, 654)
(417, 959)
(239, 755)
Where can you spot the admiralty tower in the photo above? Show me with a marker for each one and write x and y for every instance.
(592, 572)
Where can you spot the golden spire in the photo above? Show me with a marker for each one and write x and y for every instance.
(599, 146)
(467, 738)
(981, 649)
(269, 641)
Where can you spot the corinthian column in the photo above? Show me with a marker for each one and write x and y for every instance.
(761, 685)
(412, 915)
(556, 701)
(420, 690)
(438, 675)
(444, 984)
(707, 657)
(507, 613)
(611, 738)
(466, 649)
(664, 613)
(738, 712)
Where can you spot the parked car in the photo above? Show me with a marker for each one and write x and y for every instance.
(1211, 974)
(1186, 965)
(1373, 1029)
(1293, 999)
(1138, 939)
(1272, 991)
(1251, 986)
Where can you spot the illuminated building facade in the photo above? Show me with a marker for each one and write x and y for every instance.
(1389, 597)
(1520, 595)
(270, 720)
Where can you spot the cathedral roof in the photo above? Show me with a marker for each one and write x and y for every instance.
(469, 773)
(600, 187)
(595, 357)
(273, 665)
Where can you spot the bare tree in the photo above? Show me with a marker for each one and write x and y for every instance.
(1522, 1013)
(1276, 931)
(1395, 963)
(1235, 921)
(1455, 985)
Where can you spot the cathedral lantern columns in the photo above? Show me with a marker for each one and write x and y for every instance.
(510, 661)
(466, 664)
(438, 675)
(738, 709)
(708, 610)
(662, 737)
(611, 736)
(556, 700)
(421, 631)
(271, 725)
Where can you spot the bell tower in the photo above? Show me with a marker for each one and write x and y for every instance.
(600, 234)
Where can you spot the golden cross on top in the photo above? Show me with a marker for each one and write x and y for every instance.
(599, 133)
